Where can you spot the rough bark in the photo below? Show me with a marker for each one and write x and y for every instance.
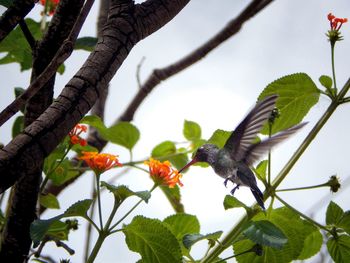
(127, 24)
(15, 241)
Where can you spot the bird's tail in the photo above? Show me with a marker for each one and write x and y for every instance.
(258, 196)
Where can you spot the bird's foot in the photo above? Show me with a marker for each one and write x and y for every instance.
(225, 182)
(234, 189)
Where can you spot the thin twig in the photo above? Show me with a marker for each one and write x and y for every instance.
(27, 34)
(62, 54)
(138, 69)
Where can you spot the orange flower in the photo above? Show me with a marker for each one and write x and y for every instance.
(50, 8)
(100, 162)
(74, 135)
(163, 173)
(336, 22)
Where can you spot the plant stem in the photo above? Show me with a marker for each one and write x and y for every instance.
(333, 68)
(89, 226)
(234, 233)
(132, 209)
(303, 188)
(99, 200)
(302, 215)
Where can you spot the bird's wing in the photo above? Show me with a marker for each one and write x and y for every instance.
(241, 138)
(255, 151)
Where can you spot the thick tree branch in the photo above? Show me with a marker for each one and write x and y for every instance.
(122, 31)
(15, 241)
(13, 15)
(160, 75)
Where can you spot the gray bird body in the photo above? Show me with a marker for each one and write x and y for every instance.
(234, 160)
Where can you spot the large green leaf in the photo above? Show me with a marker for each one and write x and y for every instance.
(344, 222)
(63, 173)
(78, 209)
(164, 149)
(86, 43)
(312, 245)
(265, 233)
(95, 122)
(16, 46)
(333, 214)
(297, 94)
(219, 138)
(260, 170)
(153, 240)
(182, 224)
(339, 248)
(293, 227)
(124, 134)
(192, 131)
(174, 197)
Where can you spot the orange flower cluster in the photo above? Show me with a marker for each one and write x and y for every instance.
(100, 162)
(336, 22)
(74, 135)
(163, 173)
(50, 8)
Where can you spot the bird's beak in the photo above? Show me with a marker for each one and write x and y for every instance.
(194, 160)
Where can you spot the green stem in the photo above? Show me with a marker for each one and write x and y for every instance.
(302, 215)
(235, 232)
(99, 200)
(132, 209)
(303, 188)
(333, 68)
(89, 226)
(269, 159)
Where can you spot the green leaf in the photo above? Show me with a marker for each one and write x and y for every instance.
(326, 81)
(6, 3)
(344, 222)
(192, 131)
(182, 224)
(63, 173)
(152, 240)
(39, 228)
(293, 227)
(179, 160)
(164, 149)
(18, 126)
(312, 245)
(122, 192)
(124, 134)
(297, 94)
(95, 122)
(232, 202)
(265, 233)
(16, 46)
(190, 239)
(86, 43)
(78, 209)
(219, 138)
(339, 248)
(333, 214)
(260, 170)
(49, 201)
(59, 230)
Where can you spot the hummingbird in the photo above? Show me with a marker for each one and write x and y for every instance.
(239, 153)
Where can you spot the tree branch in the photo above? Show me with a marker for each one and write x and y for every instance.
(119, 35)
(27, 34)
(13, 15)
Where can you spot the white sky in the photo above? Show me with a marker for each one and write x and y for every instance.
(287, 37)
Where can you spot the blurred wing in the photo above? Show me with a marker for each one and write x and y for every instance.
(241, 138)
(255, 151)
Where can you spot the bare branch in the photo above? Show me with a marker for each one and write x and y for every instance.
(160, 75)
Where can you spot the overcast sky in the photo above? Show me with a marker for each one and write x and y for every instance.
(287, 37)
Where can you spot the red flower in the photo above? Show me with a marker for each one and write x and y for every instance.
(336, 22)
(74, 135)
(50, 6)
(163, 173)
(100, 162)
